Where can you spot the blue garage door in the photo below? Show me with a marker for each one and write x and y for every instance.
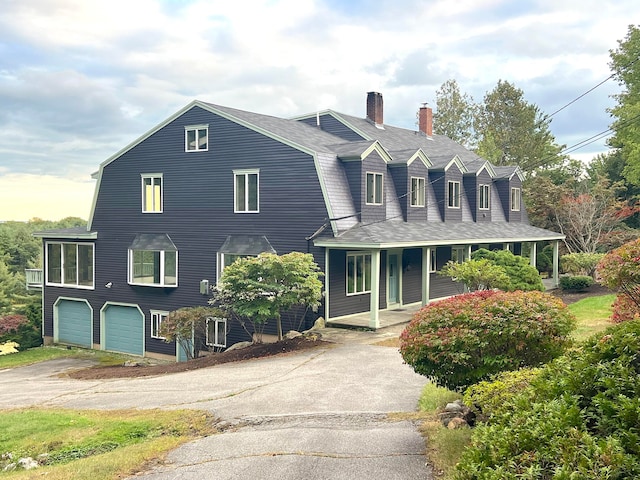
(74, 323)
(123, 329)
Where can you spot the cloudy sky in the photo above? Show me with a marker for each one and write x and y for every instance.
(80, 79)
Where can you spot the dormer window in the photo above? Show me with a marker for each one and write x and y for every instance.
(417, 191)
(374, 189)
(453, 195)
(196, 138)
(484, 195)
(515, 199)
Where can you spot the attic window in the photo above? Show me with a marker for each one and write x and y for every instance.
(196, 138)
(374, 189)
(485, 192)
(453, 197)
(515, 199)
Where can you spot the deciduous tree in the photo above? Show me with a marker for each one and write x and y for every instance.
(455, 112)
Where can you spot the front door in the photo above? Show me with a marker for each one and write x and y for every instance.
(394, 279)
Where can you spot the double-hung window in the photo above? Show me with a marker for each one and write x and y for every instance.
(417, 191)
(246, 191)
(374, 189)
(515, 199)
(152, 193)
(453, 194)
(216, 332)
(484, 195)
(196, 138)
(70, 264)
(157, 318)
(358, 273)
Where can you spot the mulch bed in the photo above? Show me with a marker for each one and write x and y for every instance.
(568, 298)
(258, 350)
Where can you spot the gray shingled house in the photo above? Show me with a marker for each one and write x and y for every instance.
(381, 209)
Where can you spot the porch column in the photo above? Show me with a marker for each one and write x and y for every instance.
(468, 254)
(326, 284)
(374, 319)
(556, 249)
(426, 274)
(533, 253)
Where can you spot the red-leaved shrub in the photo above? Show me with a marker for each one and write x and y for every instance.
(620, 271)
(462, 340)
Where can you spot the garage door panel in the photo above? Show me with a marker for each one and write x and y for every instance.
(123, 329)
(74, 323)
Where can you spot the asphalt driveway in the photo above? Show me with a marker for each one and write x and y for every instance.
(316, 414)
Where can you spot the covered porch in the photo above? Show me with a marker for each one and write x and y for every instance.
(386, 318)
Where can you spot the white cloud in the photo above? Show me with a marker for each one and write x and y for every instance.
(79, 80)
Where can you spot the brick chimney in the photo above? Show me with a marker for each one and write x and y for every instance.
(425, 120)
(374, 107)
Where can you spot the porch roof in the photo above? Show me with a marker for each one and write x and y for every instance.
(398, 234)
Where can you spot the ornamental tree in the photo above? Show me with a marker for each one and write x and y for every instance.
(261, 288)
(188, 328)
(481, 274)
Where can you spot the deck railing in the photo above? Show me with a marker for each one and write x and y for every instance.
(34, 278)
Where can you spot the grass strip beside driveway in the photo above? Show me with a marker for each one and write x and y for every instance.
(92, 444)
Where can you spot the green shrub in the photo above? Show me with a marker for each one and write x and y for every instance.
(580, 418)
(480, 274)
(544, 260)
(522, 275)
(578, 283)
(580, 263)
(465, 339)
(491, 396)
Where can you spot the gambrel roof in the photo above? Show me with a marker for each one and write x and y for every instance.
(396, 146)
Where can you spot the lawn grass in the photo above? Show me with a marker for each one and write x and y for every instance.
(94, 445)
(41, 354)
(593, 314)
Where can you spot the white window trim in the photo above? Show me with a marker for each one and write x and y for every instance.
(453, 201)
(70, 285)
(162, 275)
(488, 197)
(364, 291)
(515, 199)
(246, 173)
(421, 192)
(433, 267)
(366, 185)
(195, 128)
(216, 341)
(159, 314)
(144, 176)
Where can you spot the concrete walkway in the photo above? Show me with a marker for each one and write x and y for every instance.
(318, 414)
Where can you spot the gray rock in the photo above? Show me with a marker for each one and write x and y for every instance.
(238, 346)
